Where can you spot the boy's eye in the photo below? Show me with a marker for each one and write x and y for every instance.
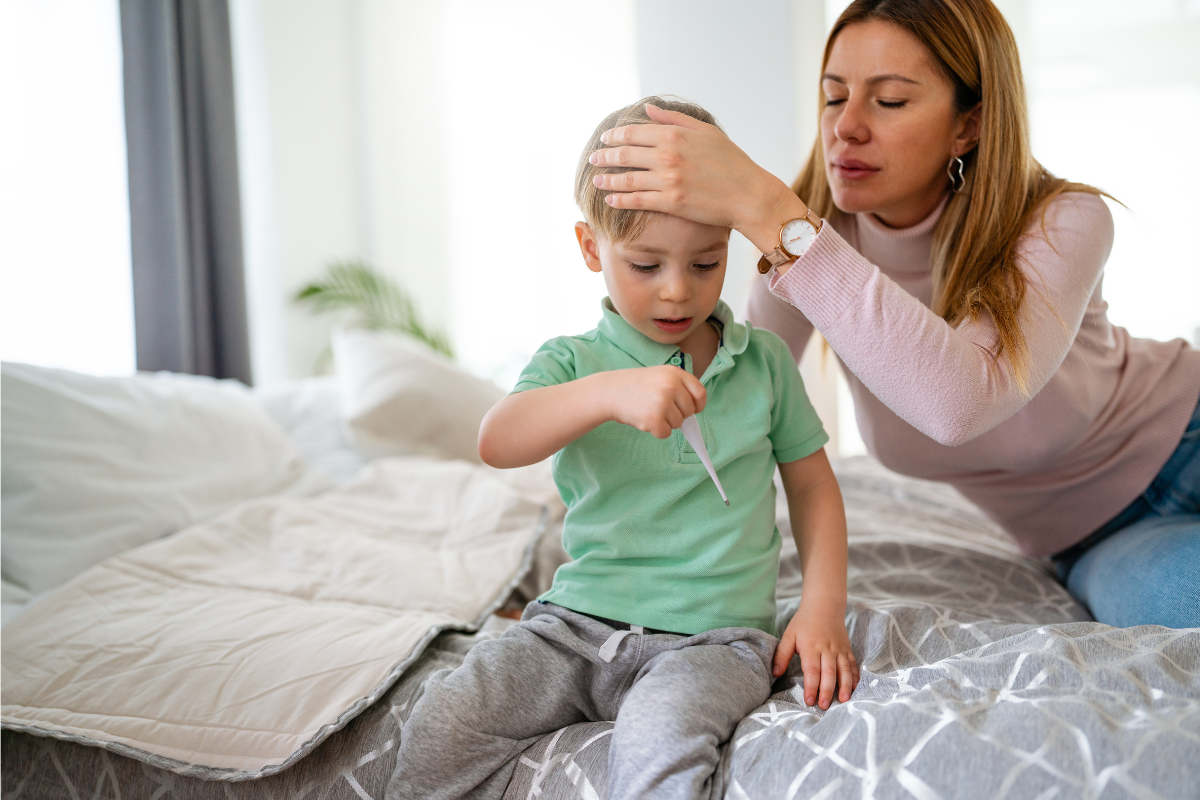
(644, 267)
(707, 267)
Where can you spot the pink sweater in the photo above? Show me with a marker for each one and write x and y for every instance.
(1105, 410)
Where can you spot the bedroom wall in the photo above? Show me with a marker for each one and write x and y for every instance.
(294, 70)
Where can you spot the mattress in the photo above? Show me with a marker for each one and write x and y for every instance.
(981, 677)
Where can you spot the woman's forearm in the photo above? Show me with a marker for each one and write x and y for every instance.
(943, 379)
(531, 426)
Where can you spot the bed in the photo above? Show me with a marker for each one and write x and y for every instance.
(981, 675)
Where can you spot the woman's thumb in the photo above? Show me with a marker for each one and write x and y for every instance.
(664, 117)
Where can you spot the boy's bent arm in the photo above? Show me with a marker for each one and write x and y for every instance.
(818, 631)
(531, 426)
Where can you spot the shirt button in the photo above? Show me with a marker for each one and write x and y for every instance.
(676, 360)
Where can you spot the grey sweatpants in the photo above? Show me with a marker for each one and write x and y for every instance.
(674, 699)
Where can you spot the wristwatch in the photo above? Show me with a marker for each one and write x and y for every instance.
(795, 237)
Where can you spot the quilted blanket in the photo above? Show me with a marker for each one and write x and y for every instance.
(234, 648)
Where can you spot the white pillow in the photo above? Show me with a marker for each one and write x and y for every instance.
(310, 412)
(95, 466)
(399, 397)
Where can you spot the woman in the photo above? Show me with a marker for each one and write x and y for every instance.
(960, 284)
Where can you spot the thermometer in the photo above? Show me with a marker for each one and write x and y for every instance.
(691, 431)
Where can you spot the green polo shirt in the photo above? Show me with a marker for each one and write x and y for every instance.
(651, 540)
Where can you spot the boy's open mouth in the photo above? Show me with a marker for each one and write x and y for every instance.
(673, 325)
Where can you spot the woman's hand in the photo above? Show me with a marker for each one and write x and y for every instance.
(819, 637)
(694, 171)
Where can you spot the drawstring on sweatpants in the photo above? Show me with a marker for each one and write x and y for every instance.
(608, 650)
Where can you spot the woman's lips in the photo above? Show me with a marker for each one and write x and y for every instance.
(852, 169)
(673, 325)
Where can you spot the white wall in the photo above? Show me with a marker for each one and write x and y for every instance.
(302, 199)
(736, 60)
(1114, 101)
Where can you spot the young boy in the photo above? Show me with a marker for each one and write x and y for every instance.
(665, 620)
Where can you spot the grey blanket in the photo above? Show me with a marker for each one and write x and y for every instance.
(981, 678)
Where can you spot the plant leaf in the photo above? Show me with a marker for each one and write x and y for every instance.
(374, 301)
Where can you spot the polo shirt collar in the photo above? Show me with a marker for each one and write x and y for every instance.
(649, 353)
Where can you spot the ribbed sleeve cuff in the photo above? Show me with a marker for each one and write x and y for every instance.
(823, 281)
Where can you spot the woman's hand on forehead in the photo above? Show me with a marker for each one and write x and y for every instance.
(686, 168)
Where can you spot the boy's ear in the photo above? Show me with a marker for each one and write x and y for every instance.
(588, 245)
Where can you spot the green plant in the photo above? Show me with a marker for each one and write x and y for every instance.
(375, 300)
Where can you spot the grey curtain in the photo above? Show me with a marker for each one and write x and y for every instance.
(188, 287)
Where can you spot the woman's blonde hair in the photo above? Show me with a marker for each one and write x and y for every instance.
(975, 241)
(622, 224)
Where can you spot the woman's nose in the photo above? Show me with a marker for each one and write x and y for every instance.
(851, 124)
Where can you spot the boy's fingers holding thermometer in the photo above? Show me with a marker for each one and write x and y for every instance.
(696, 389)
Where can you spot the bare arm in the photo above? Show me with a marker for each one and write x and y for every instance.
(818, 631)
(530, 426)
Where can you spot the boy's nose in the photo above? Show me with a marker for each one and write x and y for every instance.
(675, 288)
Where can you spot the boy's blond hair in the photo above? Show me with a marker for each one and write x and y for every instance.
(622, 224)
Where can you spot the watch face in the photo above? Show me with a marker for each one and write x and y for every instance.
(796, 236)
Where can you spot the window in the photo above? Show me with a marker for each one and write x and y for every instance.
(66, 296)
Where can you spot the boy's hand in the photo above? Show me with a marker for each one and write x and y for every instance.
(654, 399)
(821, 641)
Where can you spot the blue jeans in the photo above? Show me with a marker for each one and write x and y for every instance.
(1142, 567)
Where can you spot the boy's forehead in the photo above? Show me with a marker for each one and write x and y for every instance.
(663, 233)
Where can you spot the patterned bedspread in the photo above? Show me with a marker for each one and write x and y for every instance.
(981, 678)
